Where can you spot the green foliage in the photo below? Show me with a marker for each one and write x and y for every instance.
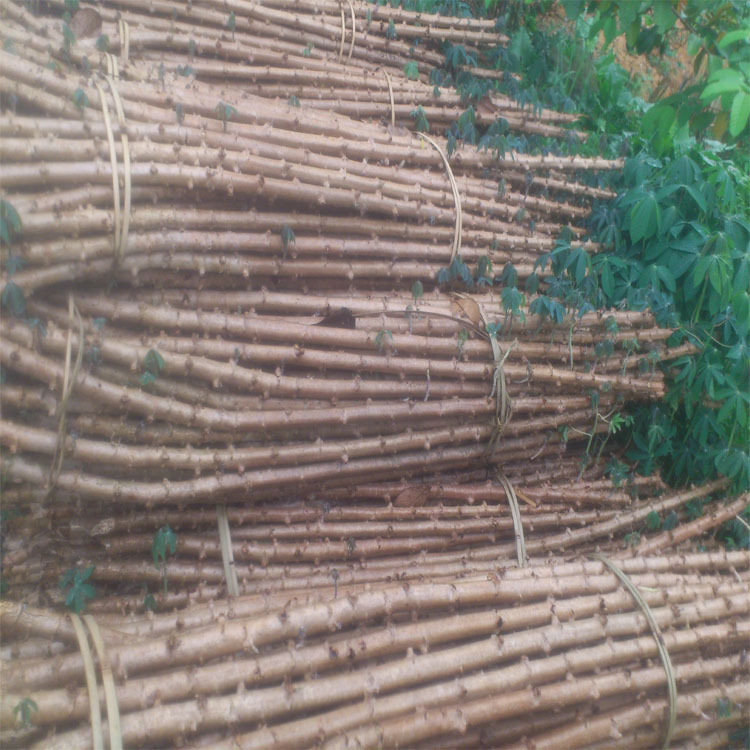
(80, 99)
(463, 336)
(164, 544)
(69, 38)
(633, 538)
(185, 70)
(458, 274)
(464, 129)
(78, 591)
(10, 227)
(719, 31)
(13, 299)
(307, 51)
(293, 101)
(417, 290)
(739, 739)
(411, 70)
(670, 522)
(287, 238)
(678, 241)
(380, 339)
(22, 711)
(102, 43)
(693, 509)
(457, 271)
(723, 708)
(547, 308)
(225, 112)
(390, 32)
(735, 533)
(421, 125)
(653, 521)
(231, 23)
(153, 364)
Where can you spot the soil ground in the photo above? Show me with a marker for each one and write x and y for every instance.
(658, 75)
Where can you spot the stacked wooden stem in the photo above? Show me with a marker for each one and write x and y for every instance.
(216, 304)
(562, 645)
(293, 546)
(275, 68)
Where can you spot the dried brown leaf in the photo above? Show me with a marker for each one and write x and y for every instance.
(412, 497)
(467, 307)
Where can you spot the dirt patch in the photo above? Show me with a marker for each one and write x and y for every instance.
(658, 75)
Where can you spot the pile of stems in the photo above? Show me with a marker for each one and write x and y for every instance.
(273, 68)
(221, 155)
(374, 665)
(372, 401)
(301, 546)
(234, 278)
(323, 34)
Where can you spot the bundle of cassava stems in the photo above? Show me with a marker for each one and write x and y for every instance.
(234, 279)
(551, 655)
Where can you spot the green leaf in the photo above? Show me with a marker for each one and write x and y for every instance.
(153, 362)
(463, 336)
(697, 196)
(380, 339)
(724, 707)
(670, 521)
(231, 23)
(664, 15)
(421, 125)
(13, 299)
(644, 219)
(79, 591)
(417, 290)
(724, 81)
(287, 237)
(14, 264)
(10, 221)
(80, 99)
(734, 36)
(99, 323)
(740, 112)
(69, 38)
(149, 603)
(225, 112)
(411, 70)
(573, 8)
(293, 101)
(102, 43)
(633, 538)
(653, 522)
(146, 379)
(694, 509)
(22, 711)
(165, 542)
